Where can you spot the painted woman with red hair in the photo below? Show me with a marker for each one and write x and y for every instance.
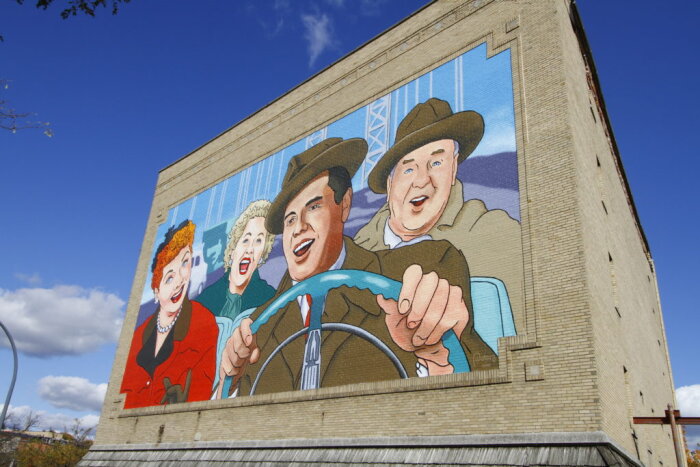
(173, 353)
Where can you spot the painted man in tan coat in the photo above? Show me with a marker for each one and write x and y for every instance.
(425, 201)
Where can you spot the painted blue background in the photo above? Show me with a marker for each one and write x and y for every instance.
(469, 82)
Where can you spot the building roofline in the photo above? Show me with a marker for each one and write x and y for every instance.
(357, 49)
(588, 59)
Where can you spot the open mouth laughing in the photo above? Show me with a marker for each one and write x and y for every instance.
(244, 265)
(419, 200)
(303, 247)
(176, 297)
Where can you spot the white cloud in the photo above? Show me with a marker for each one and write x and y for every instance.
(496, 140)
(31, 279)
(371, 7)
(271, 20)
(281, 5)
(318, 33)
(53, 421)
(688, 398)
(72, 392)
(499, 134)
(272, 31)
(63, 320)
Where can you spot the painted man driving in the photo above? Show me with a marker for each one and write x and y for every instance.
(310, 212)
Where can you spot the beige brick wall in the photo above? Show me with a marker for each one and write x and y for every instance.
(569, 330)
(634, 376)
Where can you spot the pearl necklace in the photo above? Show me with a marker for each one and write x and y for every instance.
(164, 329)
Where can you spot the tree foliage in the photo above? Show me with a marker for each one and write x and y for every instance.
(37, 453)
(693, 457)
(75, 7)
(66, 450)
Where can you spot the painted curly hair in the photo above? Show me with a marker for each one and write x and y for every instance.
(176, 238)
(258, 208)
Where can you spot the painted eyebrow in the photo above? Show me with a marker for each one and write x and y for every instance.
(437, 151)
(290, 214)
(247, 234)
(407, 161)
(312, 201)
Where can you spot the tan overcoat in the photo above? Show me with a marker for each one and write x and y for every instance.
(489, 240)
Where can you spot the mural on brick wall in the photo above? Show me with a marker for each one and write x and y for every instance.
(385, 245)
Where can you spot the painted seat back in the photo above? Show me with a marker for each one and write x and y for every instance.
(493, 317)
(226, 327)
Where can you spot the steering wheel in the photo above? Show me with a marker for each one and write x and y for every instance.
(318, 286)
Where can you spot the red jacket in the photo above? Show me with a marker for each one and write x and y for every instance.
(193, 342)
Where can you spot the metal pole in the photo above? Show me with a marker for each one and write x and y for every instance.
(14, 377)
(679, 452)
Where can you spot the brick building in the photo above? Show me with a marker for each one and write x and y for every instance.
(569, 313)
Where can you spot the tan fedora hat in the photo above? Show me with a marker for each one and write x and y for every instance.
(429, 121)
(304, 167)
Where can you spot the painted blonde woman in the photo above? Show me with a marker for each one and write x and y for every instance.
(241, 287)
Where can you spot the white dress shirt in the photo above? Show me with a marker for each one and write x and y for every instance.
(301, 299)
(394, 241)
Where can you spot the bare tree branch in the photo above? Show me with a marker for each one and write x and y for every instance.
(12, 420)
(78, 431)
(16, 422)
(12, 120)
(30, 420)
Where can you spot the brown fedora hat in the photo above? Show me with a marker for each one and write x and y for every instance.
(304, 167)
(429, 121)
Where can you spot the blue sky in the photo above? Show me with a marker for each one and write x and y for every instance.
(127, 95)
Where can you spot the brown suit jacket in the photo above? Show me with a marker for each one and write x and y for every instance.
(448, 262)
(345, 358)
(490, 240)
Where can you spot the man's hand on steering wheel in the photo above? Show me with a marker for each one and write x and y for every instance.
(427, 308)
(241, 349)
